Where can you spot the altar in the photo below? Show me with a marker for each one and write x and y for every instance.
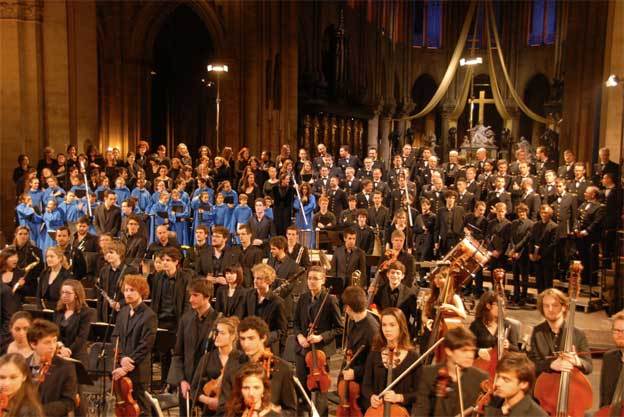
(479, 136)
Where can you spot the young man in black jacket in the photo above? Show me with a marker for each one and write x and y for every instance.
(134, 335)
(317, 322)
(56, 376)
(190, 340)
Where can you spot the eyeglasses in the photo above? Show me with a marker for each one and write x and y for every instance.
(618, 331)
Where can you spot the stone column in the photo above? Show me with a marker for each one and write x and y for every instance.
(613, 98)
(21, 101)
(373, 131)
(384, 144)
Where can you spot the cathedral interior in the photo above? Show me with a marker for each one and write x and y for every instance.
(110, 73)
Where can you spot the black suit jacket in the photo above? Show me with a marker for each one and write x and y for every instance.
(136, 339)
(544, 235)
(526, 407)
(407, 301)
(520, 234)
(340, 268)
(183, 278)
(611, 368)
(330, 323)
(429, 405)
(189, 345)
(58, 391)
(353, 188)
(50, 294)
(456, 222)
(467, 201)
(111, 284)
(564, 213)
(232, 306)
(591, 219)
(272, 311)
(107, 220)
(498, 235)
(379, 217)
(533, 201)
(249, 257)
(599, 170)
(493, 197)
(205, 264)
(337, 201)
(263, 229)
(613, 206)
(8, 306)
(135, 248)
(543, 347)
(76, 333)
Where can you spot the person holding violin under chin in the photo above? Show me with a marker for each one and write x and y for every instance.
(317, 322)
(18, 395)
(251, 396)
(54, 376)
(438, 392)
(392, 353)
(515, 376)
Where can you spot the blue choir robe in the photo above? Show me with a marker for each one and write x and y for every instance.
(100, 191)
(156, 219)
(209, 190)
(122, 194)
(57, 193)
(308, 211)
(179, 223)
(240, 215)
(71, 210)
(144, 199)
(52, 220)
(269, 212)
(221, 214)
(27, 216)
(205, 217)
(37, 200)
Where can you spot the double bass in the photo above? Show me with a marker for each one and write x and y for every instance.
(566, 394)
(489, 366)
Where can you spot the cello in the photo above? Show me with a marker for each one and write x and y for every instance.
(497, 351)
(573, 395)
(616, 408)
(125, 404)
(315, 359)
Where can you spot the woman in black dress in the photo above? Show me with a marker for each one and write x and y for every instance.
(52, 278)
(13, 276)
(251, 396)
(392, 343)
(485, 327)
(74, 318)
(283, 198)
(214, 362)
(231, 298)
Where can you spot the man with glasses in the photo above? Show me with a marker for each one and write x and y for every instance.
(612, 362)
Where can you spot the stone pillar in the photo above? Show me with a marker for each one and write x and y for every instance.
(612, 104)
(21, 98)
(384, 144)
(373, 131)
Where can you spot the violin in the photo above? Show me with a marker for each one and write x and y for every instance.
(497, 352)
(349, 391)
(487, 388)
(388, 409)
(315, 359)
(563, 394)
(390, 256)
(125, 404)
(212, 390)
(442, 382)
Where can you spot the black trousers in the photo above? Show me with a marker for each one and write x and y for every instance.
(544, 274)
(521, 269)
(588, 252)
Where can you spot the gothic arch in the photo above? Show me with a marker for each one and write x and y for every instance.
(152, 16)
(422, 91)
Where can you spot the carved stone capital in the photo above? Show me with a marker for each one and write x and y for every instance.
(21, 10)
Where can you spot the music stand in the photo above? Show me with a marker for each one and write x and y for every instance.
(81, 372)
(100, 331)
(39, 313)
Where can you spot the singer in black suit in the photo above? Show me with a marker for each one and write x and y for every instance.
(518, 253)
(347, 259)
(564, 214)
(192, 333)
(135, 334)
(542, 245)
(231, 299)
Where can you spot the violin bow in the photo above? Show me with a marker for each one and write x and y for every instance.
(357, 352)
(315, 412)
(411, 367)
(459, 390)
(318, 313)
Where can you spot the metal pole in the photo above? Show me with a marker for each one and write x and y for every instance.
(218, 109)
